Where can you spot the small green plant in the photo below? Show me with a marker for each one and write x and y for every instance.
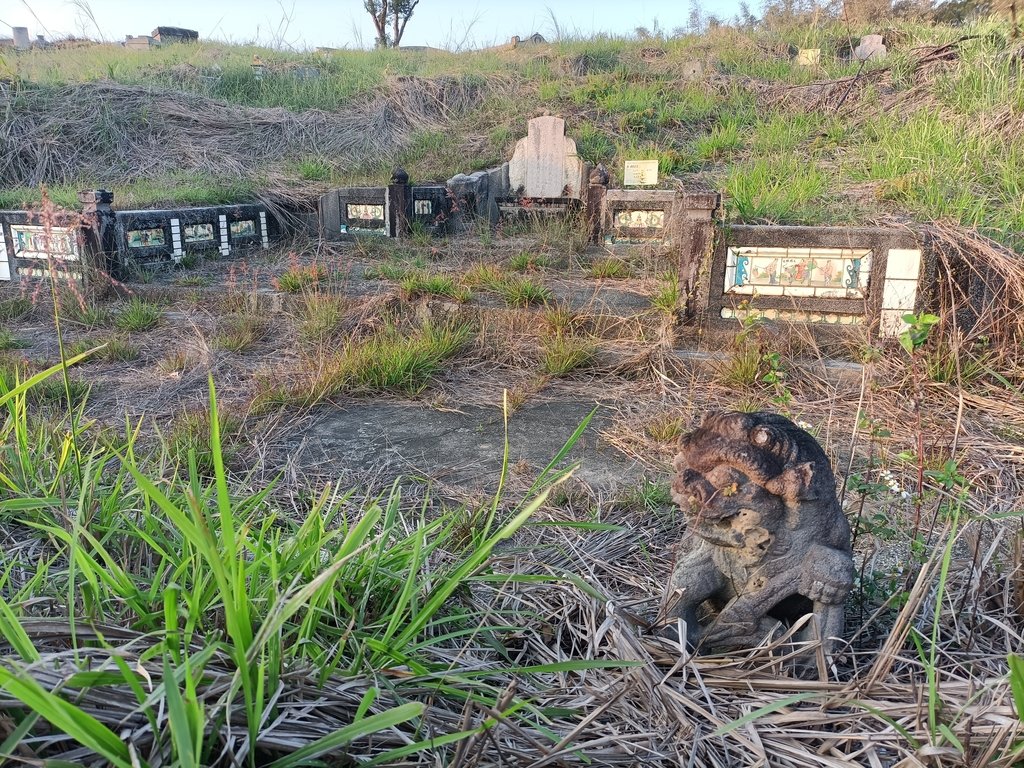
(524, 261)
(916, 334)
(298, 277)
(84, 313)
(560, 318)
(483, 275)
(137, 314)
(321, 315)
(189, 438)
(190, 260)
(522, 292)
(670, 298)
(9, 341)
(665, 427)
(240, 332)
(14, 308)
(112, 349)
(416, 284)
(194, 281)
(721, 141)
(314, 169)
(609, 268)
(560, 355)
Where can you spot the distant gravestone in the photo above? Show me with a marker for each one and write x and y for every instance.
(691, 70)
(640, 173)
(21, 39)
(808, 57)
(545, 163)
(871, 47)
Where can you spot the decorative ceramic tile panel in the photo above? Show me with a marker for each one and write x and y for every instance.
(244, 228)
(640, 219)
(793, 316)
(146, 238)
(364, 212)
(840, 273)
(422, 207)
(198, 233)
(35, 242)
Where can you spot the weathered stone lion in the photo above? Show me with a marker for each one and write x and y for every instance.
(767, 539)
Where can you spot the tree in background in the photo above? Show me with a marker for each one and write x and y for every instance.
(390, 13)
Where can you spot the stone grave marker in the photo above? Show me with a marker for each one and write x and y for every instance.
(640, 173)
(871, 47)
(545, 164)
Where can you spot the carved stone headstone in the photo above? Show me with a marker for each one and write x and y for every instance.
(545, 163)
(871, 47)
(767, 539)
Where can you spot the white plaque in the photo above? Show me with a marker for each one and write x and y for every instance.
(640, 173)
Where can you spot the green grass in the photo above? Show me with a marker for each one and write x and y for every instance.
(524, 261)
(777, 189)
(240, 332)
(14, 308)
(720, 142)
(416, 284)
(522, 292)
(137, 314)
(947, 150)
(9, 341)
(669, 298)
(610, 267)
(561, 355)
(298, 278)
(228, 598)
(321, 315)
(115, 349)
(391, 361)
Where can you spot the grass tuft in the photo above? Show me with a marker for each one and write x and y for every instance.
(561, 355)
(137, 314)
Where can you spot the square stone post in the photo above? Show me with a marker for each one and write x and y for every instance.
(399, 204)
(595, 202)
(100, 229)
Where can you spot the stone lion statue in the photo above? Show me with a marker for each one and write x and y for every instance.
(767, 539)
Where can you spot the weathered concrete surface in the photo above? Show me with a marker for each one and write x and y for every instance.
(460, 447)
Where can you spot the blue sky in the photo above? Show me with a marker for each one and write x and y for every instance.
(340, 23)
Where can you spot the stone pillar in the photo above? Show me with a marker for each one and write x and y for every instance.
(21, 39)
(595, 202)
(100, 229)
(399, 204)
(695, 247)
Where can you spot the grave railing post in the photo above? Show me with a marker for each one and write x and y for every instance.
(595, 202)
(399, 204)
(100, 229)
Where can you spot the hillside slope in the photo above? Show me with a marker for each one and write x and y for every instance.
(932, 132)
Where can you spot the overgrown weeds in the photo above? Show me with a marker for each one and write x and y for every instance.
(137, 315)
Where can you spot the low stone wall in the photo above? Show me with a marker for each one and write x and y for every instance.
(678, 224)
(116, 242)
(30, 248)
(837, 276)
(154, 236)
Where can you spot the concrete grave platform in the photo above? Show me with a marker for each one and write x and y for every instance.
(458, 447)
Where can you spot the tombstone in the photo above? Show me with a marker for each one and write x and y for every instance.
(691, 70)
(871, 47)
(307, 73)
(21, 39)
(545, 164)
(808, 57)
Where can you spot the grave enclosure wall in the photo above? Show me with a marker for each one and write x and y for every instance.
(116, 242)
(833, 276)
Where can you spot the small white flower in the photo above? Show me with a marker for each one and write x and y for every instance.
(805, 425)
